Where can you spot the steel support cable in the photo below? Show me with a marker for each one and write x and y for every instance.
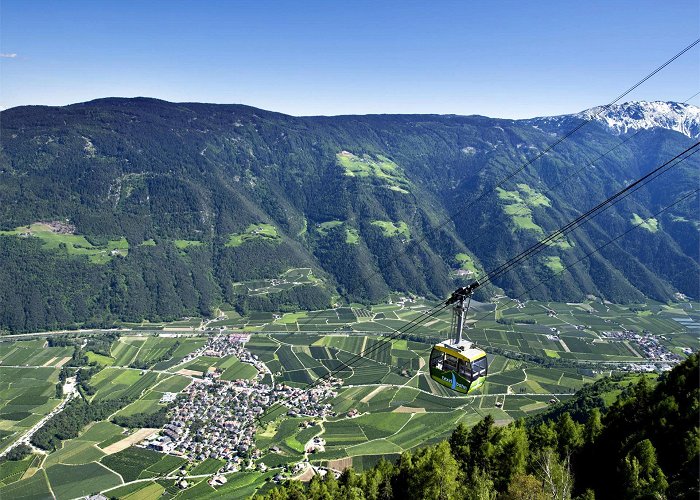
(597, 249)
(360, 356)
(549, 148)
(536, 248)
(529, 162)
(591, 163)
(509, 176)
(583, 217)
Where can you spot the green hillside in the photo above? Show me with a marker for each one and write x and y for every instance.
(133, 209)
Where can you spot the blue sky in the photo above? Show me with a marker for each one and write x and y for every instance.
(503, 59)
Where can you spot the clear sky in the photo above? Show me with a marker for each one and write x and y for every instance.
(503, 59)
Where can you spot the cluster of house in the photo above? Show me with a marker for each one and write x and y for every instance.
(233, 344)
(650, 346)
(224, 345)
(216, 418)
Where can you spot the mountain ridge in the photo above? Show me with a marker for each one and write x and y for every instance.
(210, 197)
(670, 115)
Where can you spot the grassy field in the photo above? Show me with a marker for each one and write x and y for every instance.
(518, 205)
(182, 244)
(113, 383)
(651, 224)
(71, 481)
(466, 262)
(391, 229)
(132, 462)
(235, 370)
(378, 168)
(208, 466)
(36, 486)
(261, 231)
(73, 244)
(26, 395)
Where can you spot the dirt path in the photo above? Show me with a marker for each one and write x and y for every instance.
(49, 362)
(563, 345)
(369, 396)
(340, 464)
(63, 362)
(408, 409)
(136, 437)
(189, 373)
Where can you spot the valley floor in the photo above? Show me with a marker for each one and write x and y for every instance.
(539, 354)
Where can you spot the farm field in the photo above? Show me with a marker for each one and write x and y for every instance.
(26, 395)
(386, 405)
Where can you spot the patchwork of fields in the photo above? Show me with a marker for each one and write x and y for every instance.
(386, 405)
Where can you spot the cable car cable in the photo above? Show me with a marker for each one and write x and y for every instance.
(548, 149)
(542, 153)
(610, 201)
(597, 249)
(363, 355)
(570, 175)
(537, 247)
(602, 206)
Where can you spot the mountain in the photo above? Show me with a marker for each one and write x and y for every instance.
(633, 116)
(124, 209)
(622, 118)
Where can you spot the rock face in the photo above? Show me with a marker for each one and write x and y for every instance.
(175, 207)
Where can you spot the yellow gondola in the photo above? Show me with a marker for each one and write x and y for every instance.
(459, 364)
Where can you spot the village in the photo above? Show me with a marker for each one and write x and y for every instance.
(650, 346)
(215, 418)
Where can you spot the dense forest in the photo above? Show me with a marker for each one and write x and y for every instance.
(645, 445)
(157, 210)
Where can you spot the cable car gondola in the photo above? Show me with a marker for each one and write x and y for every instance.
(457, 363)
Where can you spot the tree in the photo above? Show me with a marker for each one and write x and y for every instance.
(459, 443)
(377, 481)
(510, 455)
(525, 487)
(593, 427)
(19, 452)
(480, 486)
(643, 476)
(434, 474)
(480, 443)
(569, 434)
(555, 474)
(543, 436)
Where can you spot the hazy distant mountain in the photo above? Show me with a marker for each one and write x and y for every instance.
(212, 200)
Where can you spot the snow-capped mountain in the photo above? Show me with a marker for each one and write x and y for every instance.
(635, 115)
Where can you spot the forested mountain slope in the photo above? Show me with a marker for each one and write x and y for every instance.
(158, 210)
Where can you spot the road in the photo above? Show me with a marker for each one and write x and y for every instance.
(69, 393)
